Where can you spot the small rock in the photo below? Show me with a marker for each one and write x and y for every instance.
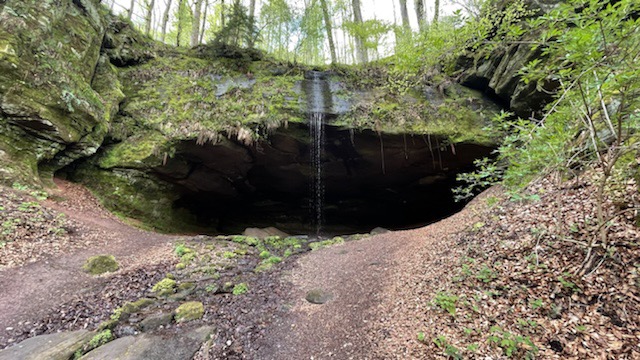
(101, 264)
(379, 230)
(318, 296)
(155, 321)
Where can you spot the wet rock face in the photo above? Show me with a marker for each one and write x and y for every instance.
(395, 181)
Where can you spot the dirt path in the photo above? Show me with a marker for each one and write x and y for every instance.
(363, 320)
(31, 291)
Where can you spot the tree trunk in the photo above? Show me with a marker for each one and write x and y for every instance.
(405, 14)
(148, 17)
(222, 14)
(436, 12)
(165, 21)
(357, 18)
(179, 29)
(327, 23)
(420, 14)
(204, 20)
(252, 9)
(130, 14)
(195, 25)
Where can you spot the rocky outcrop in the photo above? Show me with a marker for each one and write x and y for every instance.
(60, 346)
(56, 94)
(497, 73)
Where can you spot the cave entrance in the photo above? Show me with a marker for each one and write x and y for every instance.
(390, 181)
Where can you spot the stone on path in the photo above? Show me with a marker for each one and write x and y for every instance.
(60, 346)
(318, 296)
(152, 347)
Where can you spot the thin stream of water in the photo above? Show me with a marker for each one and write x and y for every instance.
(317, 135)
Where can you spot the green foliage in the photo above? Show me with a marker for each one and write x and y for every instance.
(446, 302)
(512, 345)
(449, 350)
(240, 289)
(239, 29)
(486, 274)
(589, 49)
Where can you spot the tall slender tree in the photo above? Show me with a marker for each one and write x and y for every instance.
(195, 24)
(149, 5)
(420, 14)
(180, 19)
(165, 20)
(436, 12)
(130, 13)
(404, 12)
(204, 20)
(357, 19)
(327, 24)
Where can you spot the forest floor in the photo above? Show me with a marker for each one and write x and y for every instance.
(496, 280)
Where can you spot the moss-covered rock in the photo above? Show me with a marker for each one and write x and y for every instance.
(189, 311)
(101, 264)
(164, 287)
(51, 113)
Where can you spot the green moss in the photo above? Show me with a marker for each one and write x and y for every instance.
(240, 289)
(180, 266)
(100, 339)
(138, 151)
(164, 287)
(189, 311)
(100, 264)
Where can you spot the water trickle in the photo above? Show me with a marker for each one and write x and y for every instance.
(316, 130)
(316, 91)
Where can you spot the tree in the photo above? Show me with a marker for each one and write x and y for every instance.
(357, 19)
(239, 29)
(148, 5)
(130, 13)
(165, 20)
(328, 27)
(204, 20)
(420, 14)
(195, 24)
(436, 12)
(405, 14)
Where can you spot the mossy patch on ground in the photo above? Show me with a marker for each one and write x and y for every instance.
(101, 264)
(189, 311)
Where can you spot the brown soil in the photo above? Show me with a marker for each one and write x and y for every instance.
(31, 291)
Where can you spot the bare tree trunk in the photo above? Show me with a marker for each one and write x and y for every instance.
(165, 21)
(130, 14)
(179, 30)
(252, 9)
(204, 20)
(405, 14)
(420, 14)
(357, 18)
(195, 25)
(328, 27)
(436, 12)
(148, 17)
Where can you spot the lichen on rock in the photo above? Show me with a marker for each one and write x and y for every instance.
(101, 264)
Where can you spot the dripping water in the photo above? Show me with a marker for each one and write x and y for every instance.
(316, 129)
(316, 92)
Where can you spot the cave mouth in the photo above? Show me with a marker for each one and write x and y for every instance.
(392, 181)
(404, 207)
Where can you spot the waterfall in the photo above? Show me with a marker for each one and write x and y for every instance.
(316, 132)
(316, 89)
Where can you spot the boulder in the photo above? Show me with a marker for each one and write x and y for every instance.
(153, 347)
(60, 346)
